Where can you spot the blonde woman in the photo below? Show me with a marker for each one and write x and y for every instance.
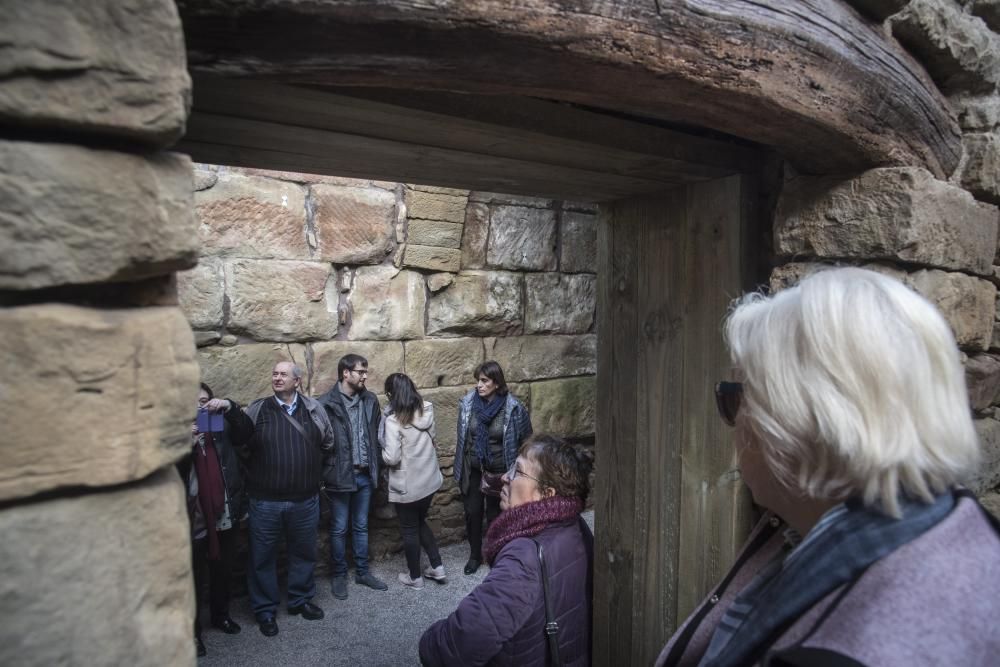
(407, 437)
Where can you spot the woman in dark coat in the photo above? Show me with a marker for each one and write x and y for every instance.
(215, 505)
(492, 424)
(502, 621)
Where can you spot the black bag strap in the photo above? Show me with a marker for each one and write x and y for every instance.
(551, 626)
(297, 425)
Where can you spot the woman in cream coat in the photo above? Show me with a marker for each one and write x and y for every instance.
(407, 437)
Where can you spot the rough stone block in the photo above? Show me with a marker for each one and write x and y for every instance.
(987, 477)
(438, 281)
(522, 238)
(958, 50)
(579, 243)
(107, 575)
(124, 383)
(432, 258)
(206, 338)
(475, 235)
(982, 376)
(443, 362)
(565, 407)
(435, 206)
(201, 292)
(108, 67)
(250, 216)
(981, 172)
(509, 200)
(383, 358)
(539, 357)
(353, 225)
(484, 303)
(435, 233)
(243, 372)
(977, 113)
(74, 215)
(387, 304)
(281, 300)
(901, 213)
(445, 400)
(967, 303)
(434, 189)
(559, 303)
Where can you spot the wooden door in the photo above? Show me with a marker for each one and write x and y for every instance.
(671, 511)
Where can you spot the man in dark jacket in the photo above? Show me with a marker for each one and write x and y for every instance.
(351, 470)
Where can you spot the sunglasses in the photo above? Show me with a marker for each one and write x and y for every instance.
(728, 396)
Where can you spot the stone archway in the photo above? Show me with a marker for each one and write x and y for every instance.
(643, 105)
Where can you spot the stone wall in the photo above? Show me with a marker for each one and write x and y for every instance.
(423, 280)
(98, 361)
(939, 237)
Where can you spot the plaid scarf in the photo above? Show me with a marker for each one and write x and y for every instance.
(846, 541)
(528, 520)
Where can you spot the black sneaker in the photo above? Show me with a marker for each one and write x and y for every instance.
(472, 565)
(339, 587)
(371, 581)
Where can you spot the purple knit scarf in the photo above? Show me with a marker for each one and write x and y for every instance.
(528, 520)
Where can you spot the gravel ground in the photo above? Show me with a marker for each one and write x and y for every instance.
(379, 628)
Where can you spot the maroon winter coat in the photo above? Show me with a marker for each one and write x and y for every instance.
(502, 621)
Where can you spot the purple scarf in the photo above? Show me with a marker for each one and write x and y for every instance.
(528, 520)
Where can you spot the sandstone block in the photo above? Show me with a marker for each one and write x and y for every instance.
(987, 477)
(437, 190)
(118, 559)
(967, 303)
(981, 173)
(243, 372)
(387, 304)
(522, 238)
(579, 243)
(432, 258)
(435, 233)
(559, 303)
(438, 281)
(201, 292)
(485, 303)
(540, 357)
(125, 383)
(958, 50)
(250, 216)
(383, 358)
(443, 362)
(899, 213)
(475, 235)
(353, 225)
(435, 205)
(982, 376)
(109, 67)
(509, 200)
(445, 400)
(74, 215)
(281, 301)
(565, 407)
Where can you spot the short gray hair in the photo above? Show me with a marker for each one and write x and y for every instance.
(854, 385)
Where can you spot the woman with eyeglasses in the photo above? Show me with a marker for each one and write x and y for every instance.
(407, 437)
(853, 428)
(492, 424)
(541, 554)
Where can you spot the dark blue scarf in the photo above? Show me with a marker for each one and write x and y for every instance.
(485, 411)
(838, 550)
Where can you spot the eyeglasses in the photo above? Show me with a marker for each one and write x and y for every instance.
(360, 371)
(728, 396)
(513, 474)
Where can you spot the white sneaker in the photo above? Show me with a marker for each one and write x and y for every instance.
(435, 573)
(404, 579)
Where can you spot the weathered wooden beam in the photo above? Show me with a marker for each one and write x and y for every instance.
(811, 78)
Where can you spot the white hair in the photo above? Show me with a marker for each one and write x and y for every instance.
(854, 385)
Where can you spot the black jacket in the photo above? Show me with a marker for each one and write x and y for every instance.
(338, 469)
(230, 446)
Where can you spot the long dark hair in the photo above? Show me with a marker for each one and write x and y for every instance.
(404, 399)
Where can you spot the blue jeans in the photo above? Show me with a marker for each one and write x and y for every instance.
(299, 523)
(355, 504)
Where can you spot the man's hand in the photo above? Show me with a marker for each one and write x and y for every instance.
(218, 405)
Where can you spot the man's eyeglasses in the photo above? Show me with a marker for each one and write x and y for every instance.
(514, 473)
(363, 372)
(728, 396)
